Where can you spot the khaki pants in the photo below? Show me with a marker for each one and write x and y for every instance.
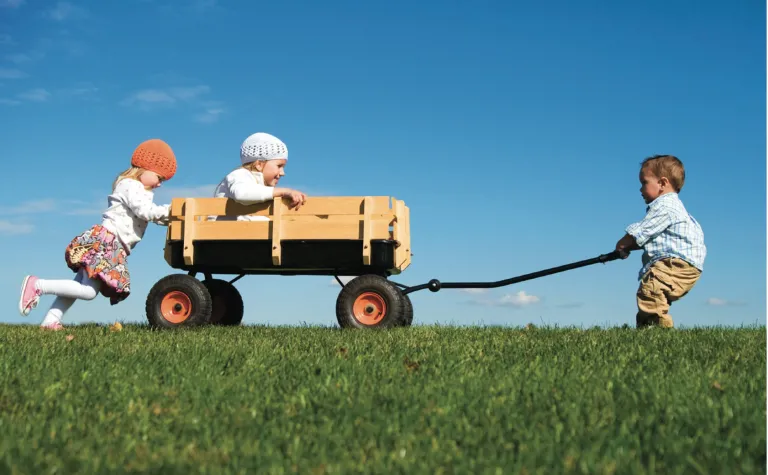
(667, 280)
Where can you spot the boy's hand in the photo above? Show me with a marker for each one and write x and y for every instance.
(297, 198)
(626, 244)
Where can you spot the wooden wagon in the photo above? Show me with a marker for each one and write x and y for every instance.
(367, 237)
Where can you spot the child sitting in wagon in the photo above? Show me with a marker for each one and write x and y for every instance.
(263, 158)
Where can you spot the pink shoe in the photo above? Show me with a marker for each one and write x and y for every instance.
(52, 326)
(30, 296)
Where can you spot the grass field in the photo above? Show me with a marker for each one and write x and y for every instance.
(417, 400)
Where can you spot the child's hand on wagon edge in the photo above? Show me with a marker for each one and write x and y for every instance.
(297, 198)
(625, 245)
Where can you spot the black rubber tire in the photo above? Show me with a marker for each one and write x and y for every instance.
(227, 303)
(195, 291)
(407, 312)
(392, 296)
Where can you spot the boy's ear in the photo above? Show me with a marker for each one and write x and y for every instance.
(664, 181)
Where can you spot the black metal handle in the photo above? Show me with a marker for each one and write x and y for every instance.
(435, 285)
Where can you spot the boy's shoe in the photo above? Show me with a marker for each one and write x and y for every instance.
(52, 326)
(30, 296)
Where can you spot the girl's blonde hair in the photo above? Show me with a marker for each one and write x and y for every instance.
(133, 172)
(251, 167)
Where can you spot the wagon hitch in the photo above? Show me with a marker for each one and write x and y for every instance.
(435, 285)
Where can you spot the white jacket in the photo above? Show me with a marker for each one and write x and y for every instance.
(131, 207)
(245, 187)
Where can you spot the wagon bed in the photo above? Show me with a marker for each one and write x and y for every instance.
(326, 236)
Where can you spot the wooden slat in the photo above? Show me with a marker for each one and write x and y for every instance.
(174, 231)
(367, 223)
(277, 232)
(397, 231)
(343, 218)
(402, 235)
(407, 241)
(314, 206)
(177, 207)
(190, 228)
(261, 230)
(223, 229)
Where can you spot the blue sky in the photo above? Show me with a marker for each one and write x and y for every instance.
(513, 132)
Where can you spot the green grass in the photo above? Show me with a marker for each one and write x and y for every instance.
(418, 400)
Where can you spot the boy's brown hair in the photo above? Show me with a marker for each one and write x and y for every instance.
(667, 166)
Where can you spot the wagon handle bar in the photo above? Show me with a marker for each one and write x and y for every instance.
(435, 285)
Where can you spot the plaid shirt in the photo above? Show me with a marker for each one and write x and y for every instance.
(669, 231)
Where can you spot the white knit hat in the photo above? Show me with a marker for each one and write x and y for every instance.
(261, 146)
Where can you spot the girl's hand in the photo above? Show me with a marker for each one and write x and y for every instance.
(297, 198)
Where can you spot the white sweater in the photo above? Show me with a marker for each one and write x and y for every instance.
(131, 207)
(245, 187)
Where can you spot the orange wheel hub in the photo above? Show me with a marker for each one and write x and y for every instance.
(369, 308)
(176, 307)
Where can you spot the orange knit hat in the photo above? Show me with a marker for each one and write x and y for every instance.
(157, 156)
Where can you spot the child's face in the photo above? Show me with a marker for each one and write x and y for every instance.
(150, 179)
(651, 186)
(272, 170)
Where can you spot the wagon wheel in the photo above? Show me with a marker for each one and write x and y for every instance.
(227, 302)
(407, 312)
(178, 301)
(371, 301)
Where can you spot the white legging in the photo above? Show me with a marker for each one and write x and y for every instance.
(66, 292)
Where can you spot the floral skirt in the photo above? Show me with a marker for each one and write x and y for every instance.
(101, 254)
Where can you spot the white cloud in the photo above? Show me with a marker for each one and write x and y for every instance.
(96, 207)
(29, 207)
(84, 208)
(94, 210)
(50, 205)
(66, 11)
(80, 90)
(210, 115)
(474, 291)
(20, 58)
(149, 96)
(8, 228)
(6, 73)
(42, 95)
(149, 99)
(35, 95)
(11, 3)
(188, 93)
(718, 302)
(519, 299)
